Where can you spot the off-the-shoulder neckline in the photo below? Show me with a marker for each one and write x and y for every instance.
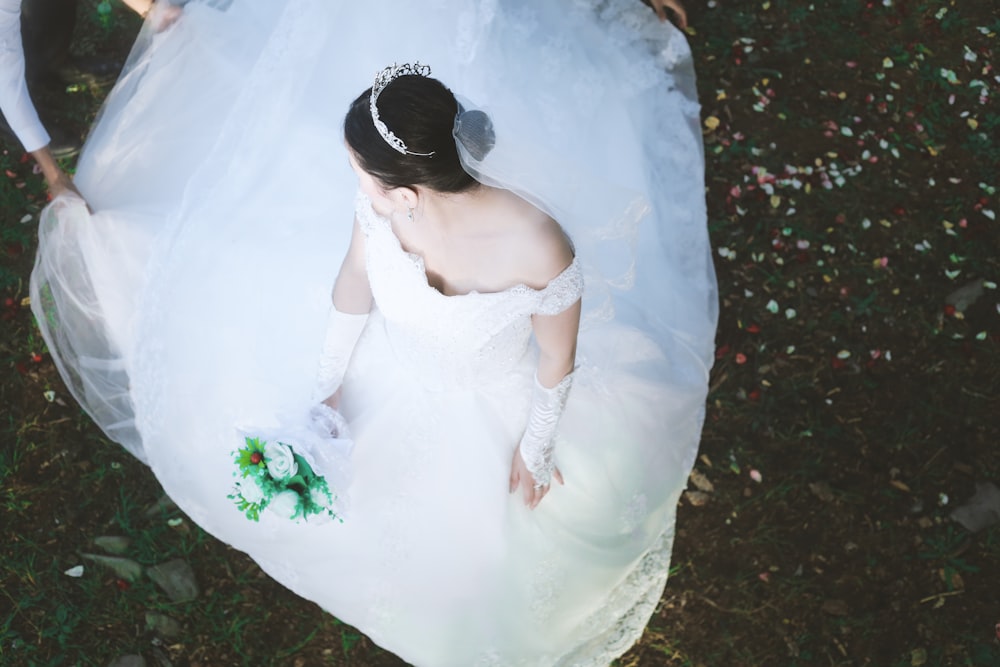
(418, 262)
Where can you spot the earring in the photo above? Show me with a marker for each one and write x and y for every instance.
(409, 214)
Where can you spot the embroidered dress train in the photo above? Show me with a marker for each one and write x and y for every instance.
(191, 303)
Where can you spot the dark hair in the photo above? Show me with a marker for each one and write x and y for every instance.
(421, 111)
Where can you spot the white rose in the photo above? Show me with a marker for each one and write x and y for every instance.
(285, 504)
(249, 489)
(280, 460)
(321, 497)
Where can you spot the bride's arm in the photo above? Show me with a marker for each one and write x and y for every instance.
(533, 467)
(352, 301)
(555, 333)
(661, 6)
(556, 336)
(351, 291)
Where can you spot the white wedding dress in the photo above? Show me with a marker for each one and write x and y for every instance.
(191, 303)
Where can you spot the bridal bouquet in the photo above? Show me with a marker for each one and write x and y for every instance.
(274, 475)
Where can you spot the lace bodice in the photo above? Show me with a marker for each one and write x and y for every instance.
(453, 341)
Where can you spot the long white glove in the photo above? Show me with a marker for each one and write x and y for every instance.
(538, 441)
(342, 333)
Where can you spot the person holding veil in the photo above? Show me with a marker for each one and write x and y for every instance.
(522, 314)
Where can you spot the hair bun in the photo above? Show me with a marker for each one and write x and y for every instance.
(474, 129)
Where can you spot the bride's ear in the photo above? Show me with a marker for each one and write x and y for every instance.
(404, 196)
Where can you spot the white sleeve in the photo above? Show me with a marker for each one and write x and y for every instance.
(14, 99)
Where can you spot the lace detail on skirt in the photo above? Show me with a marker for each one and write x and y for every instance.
(621, 620)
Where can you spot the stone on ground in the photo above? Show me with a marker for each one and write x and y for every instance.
(129, 661)
(113, 544)
(163, 505)
(176, 578)
(162, 625)
(125, 568)
(982, 510)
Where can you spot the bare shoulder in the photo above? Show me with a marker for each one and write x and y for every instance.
(549, 251)
(542, 247)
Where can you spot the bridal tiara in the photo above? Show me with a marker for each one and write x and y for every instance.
(383, 79)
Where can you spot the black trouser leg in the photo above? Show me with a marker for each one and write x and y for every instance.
(46, 32)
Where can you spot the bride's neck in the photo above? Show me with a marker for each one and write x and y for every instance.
(446, 210)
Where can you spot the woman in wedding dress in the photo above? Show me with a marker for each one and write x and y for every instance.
(545, 230)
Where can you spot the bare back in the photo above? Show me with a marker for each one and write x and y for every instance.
(488, 241)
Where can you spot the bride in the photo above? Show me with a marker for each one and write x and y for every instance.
(521, 322)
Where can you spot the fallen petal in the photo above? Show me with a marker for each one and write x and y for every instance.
(836, 608)
(822, 491)
(701, 481)
(697, 498)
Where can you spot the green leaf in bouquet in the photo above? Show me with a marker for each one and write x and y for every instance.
(252, 510)
(305, 470)
(250, 457)
(296, 483)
